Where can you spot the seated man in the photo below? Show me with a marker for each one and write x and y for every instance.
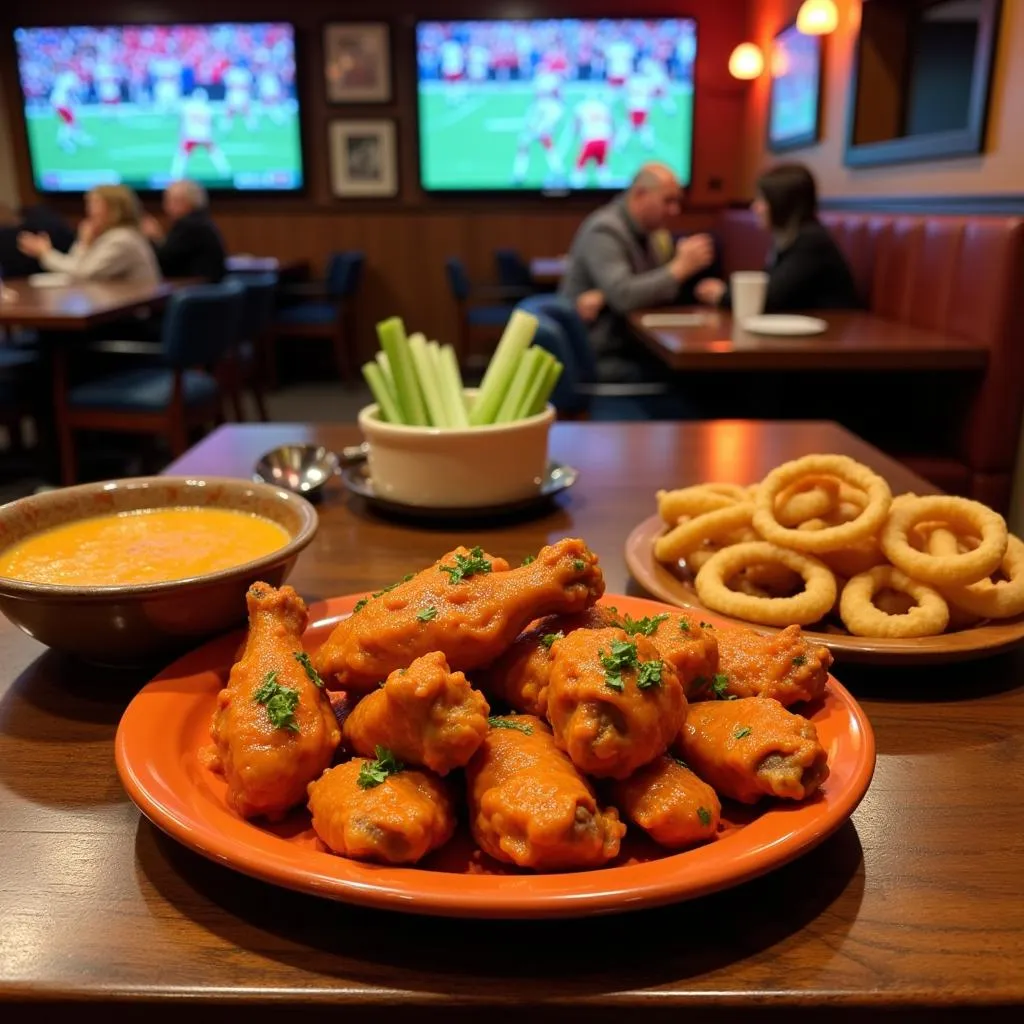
(615, 267)
(192, 246)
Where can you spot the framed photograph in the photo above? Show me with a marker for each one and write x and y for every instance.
(794, 106)
(357, 62)
(364, 159)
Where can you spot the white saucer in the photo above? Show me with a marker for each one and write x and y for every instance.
(49, 280)
(786, 324)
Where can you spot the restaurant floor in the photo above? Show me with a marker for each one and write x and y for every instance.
(116, 456)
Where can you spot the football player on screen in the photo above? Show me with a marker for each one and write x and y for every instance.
(197, 133)
(595, 131)
(64, 97)
(640, 91)
(541, 121)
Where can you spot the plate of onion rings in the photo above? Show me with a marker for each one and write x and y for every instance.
(822, 542)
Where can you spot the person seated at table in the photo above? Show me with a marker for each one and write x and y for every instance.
(805, 267)
(13, 262)
(110, 245)
(192, 245)
(623, 259)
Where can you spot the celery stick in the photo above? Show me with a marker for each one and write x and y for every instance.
(533, 393)
(407, 390)
(554, 372)
(518, 334)
(429, 383)
(454, 396)
(385, 368)
(387, 407)
(522, 380)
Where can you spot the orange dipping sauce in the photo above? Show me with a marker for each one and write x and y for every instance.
(147, 546)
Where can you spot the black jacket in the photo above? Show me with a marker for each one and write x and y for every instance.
(810, 274)
(193, 248)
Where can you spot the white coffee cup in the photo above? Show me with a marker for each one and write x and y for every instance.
(748, 289)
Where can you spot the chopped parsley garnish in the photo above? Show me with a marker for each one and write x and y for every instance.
(391, 586)
(280, 702)
(360, 604)
(622, 656)
(528, 559)
(799, 660)
(705, 815)
(578, 565)
(549, 638)
(706, 625)
(467, 565)
(426, 614)
(740, 733)
(684, 625)
(373, 773)
(507, 723)
(649, 674)
(720, 686)
(314, 677)
(648, 625)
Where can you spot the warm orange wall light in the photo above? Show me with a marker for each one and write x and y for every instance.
(746, 61)
(817, 17)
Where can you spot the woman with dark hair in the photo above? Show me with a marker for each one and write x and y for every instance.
(805, 268)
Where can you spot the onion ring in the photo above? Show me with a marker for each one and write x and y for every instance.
(806, 499)
(689, 535)
(809, 606)
(690, 501)
(994, 600)
(960, 513)
(928, 617)
(831, 538)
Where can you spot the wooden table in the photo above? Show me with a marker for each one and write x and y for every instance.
(76, 307)
(914, 906)
(290, 270)
(548, 270)
(853, 341)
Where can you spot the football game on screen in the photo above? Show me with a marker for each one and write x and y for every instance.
(143, 105)
(555, 104)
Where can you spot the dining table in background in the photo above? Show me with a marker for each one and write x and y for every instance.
(851, 341)
(548, 270)
(286, 270)
(76, 307)
(912, 909)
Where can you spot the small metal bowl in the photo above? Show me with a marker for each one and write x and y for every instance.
(304, 468)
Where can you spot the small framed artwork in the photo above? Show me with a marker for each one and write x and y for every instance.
(364, 159)
(357, 62)
(794, 105)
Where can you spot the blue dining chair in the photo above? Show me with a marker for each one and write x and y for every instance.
(247, 367)
(483, 309)
(201, 324)
(324, 309)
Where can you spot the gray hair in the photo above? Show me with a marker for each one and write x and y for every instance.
(194, 192)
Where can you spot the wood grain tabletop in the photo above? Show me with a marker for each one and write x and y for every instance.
(913, 907)
(852, 341)
(76, 307)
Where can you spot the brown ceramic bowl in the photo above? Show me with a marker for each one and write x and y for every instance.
(138, 624)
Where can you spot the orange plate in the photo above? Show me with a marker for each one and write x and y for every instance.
(982, 641)
(167, 724)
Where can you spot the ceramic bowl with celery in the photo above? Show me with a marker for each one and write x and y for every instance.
(438, 444)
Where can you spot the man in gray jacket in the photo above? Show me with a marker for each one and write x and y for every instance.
(614, 265)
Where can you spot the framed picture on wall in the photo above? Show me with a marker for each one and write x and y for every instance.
(364, 159)
(357, 62)
(794, 104)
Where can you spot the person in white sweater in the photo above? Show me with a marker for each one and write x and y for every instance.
(110, 245)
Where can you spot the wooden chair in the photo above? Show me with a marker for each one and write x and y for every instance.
(322, 310)
(200, 325)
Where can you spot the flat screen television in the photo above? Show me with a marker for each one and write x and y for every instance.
(142, 105)
(557, 105)
(795, 67)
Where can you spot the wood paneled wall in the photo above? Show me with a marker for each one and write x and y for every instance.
(407, 239)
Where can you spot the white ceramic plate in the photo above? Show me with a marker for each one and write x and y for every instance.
(674, 320)
(784, 324)
(49, 280)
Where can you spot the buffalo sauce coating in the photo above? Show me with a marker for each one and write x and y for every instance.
(268, 766)
(674, 807)
(529, 805)
(753, 747)
(786, 665)
(471, 618)
(609, 724)
(425, 714)
(691, 647)
(398, 821)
